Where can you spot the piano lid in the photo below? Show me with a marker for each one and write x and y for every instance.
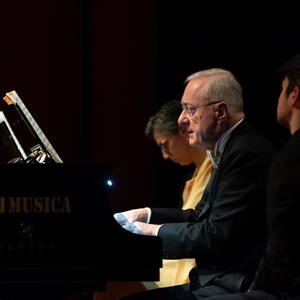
(28, 137)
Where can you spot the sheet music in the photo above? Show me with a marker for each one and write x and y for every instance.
(13, 98)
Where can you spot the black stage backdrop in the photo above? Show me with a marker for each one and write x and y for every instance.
(93, 72)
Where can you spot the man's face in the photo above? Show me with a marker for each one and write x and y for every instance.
(284, 108)
(198, 118)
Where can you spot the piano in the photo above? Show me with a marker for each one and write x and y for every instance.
(57, 231)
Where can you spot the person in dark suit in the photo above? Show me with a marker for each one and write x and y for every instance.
(278, 275)
(226, 232)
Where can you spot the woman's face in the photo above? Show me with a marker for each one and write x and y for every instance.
(174, 147)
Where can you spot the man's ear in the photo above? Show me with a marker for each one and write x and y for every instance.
(222, 110)
(296, 97)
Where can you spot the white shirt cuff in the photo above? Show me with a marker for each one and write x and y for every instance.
(149, 214)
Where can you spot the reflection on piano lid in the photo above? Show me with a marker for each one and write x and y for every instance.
(28, 138)
(10, 147)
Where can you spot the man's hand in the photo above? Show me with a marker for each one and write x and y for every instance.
(147, 229)
(140, 215)
(135, 221)
(121, 219)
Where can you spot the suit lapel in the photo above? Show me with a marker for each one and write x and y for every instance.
(207, 194)
(210, 189)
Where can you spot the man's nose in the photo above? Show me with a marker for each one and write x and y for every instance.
(183, 119)
(165, 154)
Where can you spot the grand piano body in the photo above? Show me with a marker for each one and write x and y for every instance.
(56, 227)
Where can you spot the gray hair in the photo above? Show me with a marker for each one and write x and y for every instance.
(221, 86)
(165, 120)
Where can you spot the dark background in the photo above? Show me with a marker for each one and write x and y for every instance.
(92, 73)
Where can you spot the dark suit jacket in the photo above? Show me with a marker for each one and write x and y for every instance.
(279, 269)
(226, 232)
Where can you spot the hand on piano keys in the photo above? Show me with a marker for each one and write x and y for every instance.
(147, 229)
(123, 221)
(136, 221)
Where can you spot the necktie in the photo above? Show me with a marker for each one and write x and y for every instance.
(214, 158)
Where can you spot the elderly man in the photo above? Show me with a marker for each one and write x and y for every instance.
(278, 275)
(226, 232)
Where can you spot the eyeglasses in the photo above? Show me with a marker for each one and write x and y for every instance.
(163, 145)
(191, 110)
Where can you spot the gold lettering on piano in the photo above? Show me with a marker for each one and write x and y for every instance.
(27, 246)
(35, 205)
